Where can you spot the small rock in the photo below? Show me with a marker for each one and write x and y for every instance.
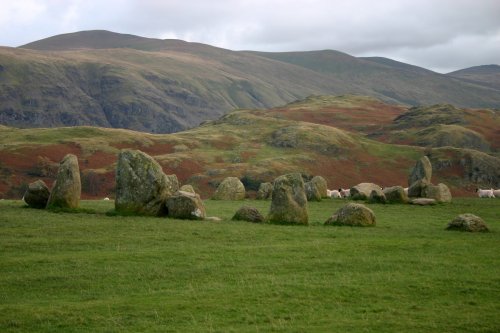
(353, 214)
(37, 195)
(468, 222)
(231, 188)
(249, 214)
(377, 196)
(423, 202)
(186, 206)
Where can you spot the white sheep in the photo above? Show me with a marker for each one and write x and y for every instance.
(485, 193)
(496, 193)
(333, 194)
(345, 193)
(106, 199)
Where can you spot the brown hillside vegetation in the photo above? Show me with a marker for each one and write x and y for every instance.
(253, 145)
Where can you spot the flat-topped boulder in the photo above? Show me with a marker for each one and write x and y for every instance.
(141, 186)
(249, 214)
(353, 214)
(67, 187)
(467, 222)
(185, 206)
(289, 201)
(231, 188)
(362, 191)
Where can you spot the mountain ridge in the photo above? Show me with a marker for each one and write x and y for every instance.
(117, 80)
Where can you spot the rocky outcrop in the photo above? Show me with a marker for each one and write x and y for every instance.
(67, 187)
(37, 194)
(141, 186)
(468, 222)
(185, 206)
(231, 188)
(353, 214)
(289, 202)
(249, 214)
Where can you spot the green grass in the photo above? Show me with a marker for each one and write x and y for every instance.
(83, 272)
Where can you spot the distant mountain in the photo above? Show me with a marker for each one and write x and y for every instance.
(487, 75)
(108, 79)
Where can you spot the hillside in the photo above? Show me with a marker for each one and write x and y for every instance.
(106, 79)
(254, 145)
(486, 75)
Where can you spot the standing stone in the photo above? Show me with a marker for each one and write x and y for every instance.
(417, 188)
(249, 214)
(231, 188)
(141, 186)
(468, 222)
(440, 192)
(289, 202)
(186, 206)
(312, 191)
(422, 170)
(321, 185)
(265, 191)
(37, 195)
(362, 191)
(377, 196)
(67, 187)
(395, 194)
(353, 214)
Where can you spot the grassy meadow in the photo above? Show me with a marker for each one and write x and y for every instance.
(93, 272)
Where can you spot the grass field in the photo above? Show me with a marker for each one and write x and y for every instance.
(90, 272)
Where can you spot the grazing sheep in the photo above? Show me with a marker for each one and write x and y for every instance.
(334, 194)
(345, 193)
(485, 193)
(106, 199)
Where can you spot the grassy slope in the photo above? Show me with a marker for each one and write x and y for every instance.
(258, 144)
(487, 75)
(81, 272)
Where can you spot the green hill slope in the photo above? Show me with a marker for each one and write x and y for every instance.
(487, 75)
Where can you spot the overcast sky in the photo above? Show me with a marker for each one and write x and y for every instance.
(442, 35)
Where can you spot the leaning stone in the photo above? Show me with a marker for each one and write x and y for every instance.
(249, 214)
(362, 191)
(185, 206)
(289, 202)
(187, 188)
(231, 188)
(67, 187)
(37, 195)
(353, 214)
(395, 194)
(141, 186)
(468, 222)
(312, 191)
(265, 191)
(423, 202)
(321, 185)
(440, 192)
(421, 171)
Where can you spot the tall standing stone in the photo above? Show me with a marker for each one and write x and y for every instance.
(289, 202)
(421, 171)
(141, 186)
(67, 187)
